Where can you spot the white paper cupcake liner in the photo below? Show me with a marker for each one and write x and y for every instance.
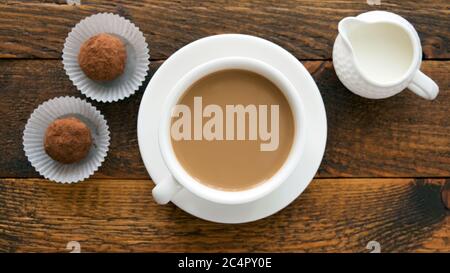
(34, 133)
(137, 63)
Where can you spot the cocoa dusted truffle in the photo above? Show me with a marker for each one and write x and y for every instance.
(102, 57)
(67, 140)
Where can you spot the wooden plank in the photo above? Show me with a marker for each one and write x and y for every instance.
(25, 84)
(403, 215)
(404, 136)
(307, 28)
(446, 195)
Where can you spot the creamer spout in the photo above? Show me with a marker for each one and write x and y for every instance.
(346, 26)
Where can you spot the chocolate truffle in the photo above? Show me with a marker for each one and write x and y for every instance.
(67, 140)
(102, 57)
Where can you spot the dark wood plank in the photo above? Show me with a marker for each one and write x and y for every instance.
(446, 195)
(403, 215)
(404, 136)
(25, 84)
(307, 28)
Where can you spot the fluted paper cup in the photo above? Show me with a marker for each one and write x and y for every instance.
(34, 134)
(137, 62)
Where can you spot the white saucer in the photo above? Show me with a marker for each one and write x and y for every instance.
(227, 45)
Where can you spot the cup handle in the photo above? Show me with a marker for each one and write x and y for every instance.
(424, 86)
(164, 191)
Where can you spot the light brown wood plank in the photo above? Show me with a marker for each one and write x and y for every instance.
(403, 215)
(404, 136)
(307, 28)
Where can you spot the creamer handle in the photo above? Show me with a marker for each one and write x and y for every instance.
(424, 86)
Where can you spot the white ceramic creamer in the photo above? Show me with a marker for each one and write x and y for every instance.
(378, 54)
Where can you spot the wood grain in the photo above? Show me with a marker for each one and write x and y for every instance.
(307, 28)
(446, 195)
(404, 136)
(403, 215)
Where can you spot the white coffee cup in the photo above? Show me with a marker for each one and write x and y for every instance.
(178, 179)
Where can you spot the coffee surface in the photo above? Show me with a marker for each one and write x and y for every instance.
(238, 164)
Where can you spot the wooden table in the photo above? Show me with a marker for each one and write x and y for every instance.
(384, 176)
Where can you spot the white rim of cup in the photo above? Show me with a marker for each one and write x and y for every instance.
(261, 190)
(135, 71)
(34, 133)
